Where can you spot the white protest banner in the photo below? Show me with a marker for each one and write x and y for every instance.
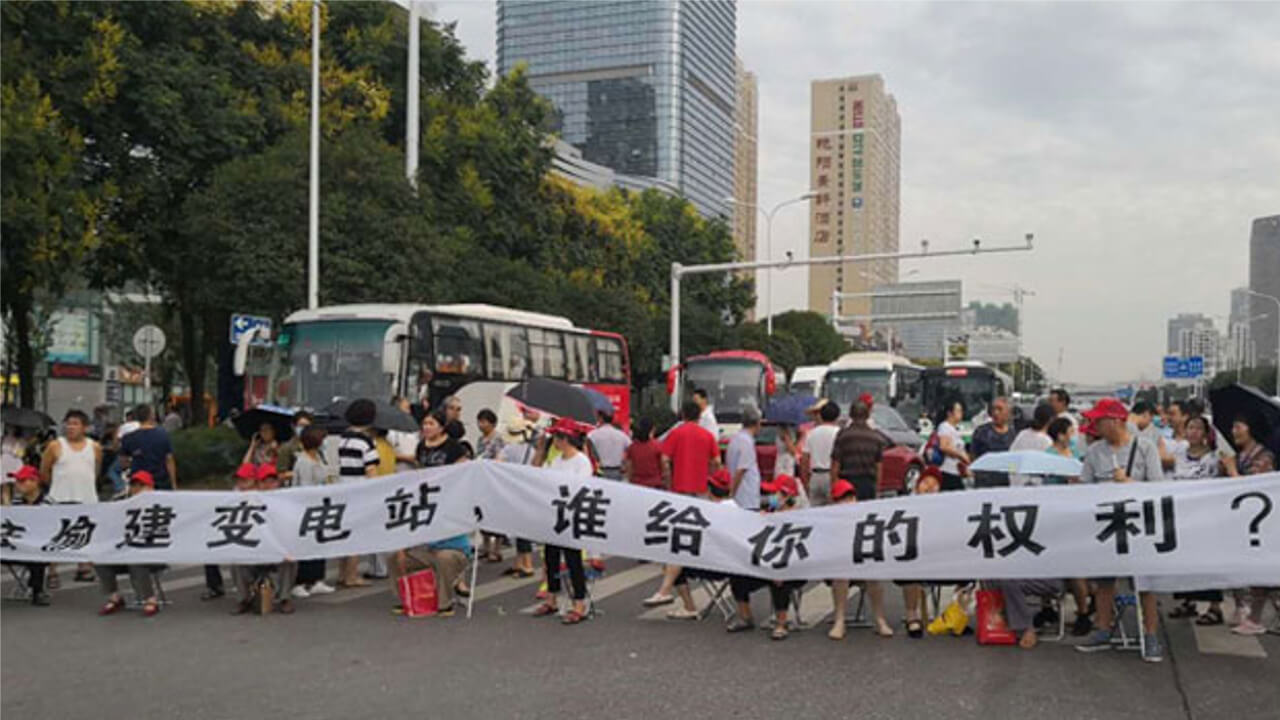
(1175, 535)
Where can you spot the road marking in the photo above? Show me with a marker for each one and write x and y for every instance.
(1219, 640)
(613, 584)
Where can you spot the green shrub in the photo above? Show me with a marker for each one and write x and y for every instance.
(207, 456)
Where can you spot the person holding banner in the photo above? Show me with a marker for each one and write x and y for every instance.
(311, 470)
(27, 490)
(1252, 458)
(694, 453)
(782, 494)
(570, 460)
(1120, 456)
(140, 576)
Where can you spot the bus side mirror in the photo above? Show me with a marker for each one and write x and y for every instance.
(673, 377)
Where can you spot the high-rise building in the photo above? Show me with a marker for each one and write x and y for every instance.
(1240, 350)
(644, 88)
(745, 118)
(1264, 278)
(854, 139)
(1192, 334)
(919, 316)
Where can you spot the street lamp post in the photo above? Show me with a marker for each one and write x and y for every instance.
(768, 247)
(1275, 300)
(313, 211)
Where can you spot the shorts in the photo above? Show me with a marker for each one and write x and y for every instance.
(950, 483)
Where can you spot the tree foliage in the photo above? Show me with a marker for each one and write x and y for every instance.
(165, 144)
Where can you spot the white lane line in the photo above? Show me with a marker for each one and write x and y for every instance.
(613, 584)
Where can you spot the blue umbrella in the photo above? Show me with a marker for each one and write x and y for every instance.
(789, 409)
(598, 400)
(1027, 462)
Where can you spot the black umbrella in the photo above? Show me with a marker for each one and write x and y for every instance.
(388, 417)
(1237, 399)
(248, 422)
(554, 397)
(25, 418)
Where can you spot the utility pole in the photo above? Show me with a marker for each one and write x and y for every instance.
(313, 231)
(412, 124)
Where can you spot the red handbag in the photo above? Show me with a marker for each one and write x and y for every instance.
(992, 628)
(418, 593)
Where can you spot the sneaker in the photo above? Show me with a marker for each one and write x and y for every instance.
(1249, 627)
(1097, 641)
(682, 614)
(739, 625)
(1081, 626)
(320, 587)
(1151, 650)
(300, 592)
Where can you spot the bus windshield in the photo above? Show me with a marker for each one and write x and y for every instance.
(729, 384)
(975, 390)
(324, 361)
(845, 386)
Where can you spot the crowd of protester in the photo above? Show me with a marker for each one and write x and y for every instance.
(837, 458)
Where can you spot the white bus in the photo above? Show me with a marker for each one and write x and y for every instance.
(428, 352)
(890, 379)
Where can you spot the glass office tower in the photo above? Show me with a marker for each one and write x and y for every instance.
(646, 88)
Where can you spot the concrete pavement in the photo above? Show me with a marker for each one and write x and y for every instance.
(346, 656)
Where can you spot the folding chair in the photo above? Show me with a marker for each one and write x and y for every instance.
(1120, 637)
(1057, 603)
(566, 587)
(858, 621)
(721, 599)
(21, 589)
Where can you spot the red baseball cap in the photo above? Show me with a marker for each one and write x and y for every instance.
(565, 427)
(247, 471)
(142, 477)
(1107, 408)
(783, 484)
(265, 470)
(841, 488)
(866, 399)
(26, 472)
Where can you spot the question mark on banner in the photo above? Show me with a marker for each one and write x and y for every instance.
(1257, 519)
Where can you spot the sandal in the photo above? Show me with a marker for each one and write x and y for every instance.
(84, 576)
(573, 617)
(1211, 616)
(779, 632)
(915, 629)
(511, 572)
(150, 608)
(545, 609)
(461, 591)
(1185, 610)
(112, 606)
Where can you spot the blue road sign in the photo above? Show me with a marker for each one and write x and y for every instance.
(1183, 368)
(241, 324)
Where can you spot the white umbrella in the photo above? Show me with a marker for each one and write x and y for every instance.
(1027, 462)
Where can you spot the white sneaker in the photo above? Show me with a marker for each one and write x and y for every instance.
(300, 592)
(320, 587)
(682, 614)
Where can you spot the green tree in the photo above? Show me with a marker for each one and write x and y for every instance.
(820, 343)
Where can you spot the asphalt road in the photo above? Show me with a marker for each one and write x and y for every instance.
(346, 656)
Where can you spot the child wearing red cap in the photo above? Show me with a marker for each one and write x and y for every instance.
(29, 491)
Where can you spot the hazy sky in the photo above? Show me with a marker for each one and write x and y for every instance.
(1137, 141)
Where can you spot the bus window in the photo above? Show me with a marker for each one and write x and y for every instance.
(459, 350)
(579, 355)
(609, 360)
(546, 353)
(507, 352)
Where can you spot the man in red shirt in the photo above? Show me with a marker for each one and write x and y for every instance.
(695, 455)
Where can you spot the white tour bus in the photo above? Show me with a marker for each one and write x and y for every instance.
(807, 379)
(891, 379)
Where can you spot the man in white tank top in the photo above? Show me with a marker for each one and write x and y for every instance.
(69, 468)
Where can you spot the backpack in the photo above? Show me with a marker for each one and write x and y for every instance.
(931, 453)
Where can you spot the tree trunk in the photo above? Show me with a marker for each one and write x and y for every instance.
(193, 363)
(21, 311)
